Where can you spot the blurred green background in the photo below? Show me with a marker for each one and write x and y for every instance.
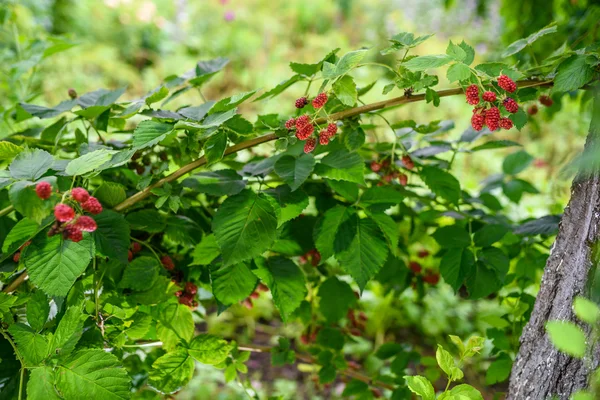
(138, 43)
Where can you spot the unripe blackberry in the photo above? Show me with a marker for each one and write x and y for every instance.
(301, 102)
(489, 96)
(506, 83)
(492, 118)
(310, 145)
(92, 205)
(546, 100)
(478, 120)
(415, 267)
(423, 253)
(80, 195)
(505, 123)
(323, 138)
(472, 94)
(262, 287)
(254, 295)
(136, 247)
(408, 162)
(190, 288)
(72, 93)
(532, 110)
(43, 190)
(332, 129)
(167, 262)
(17, 256)
(86, 224)
(290, 123)
(72, 233)
(511, 105)
(129, 255)
(305, 131)
(432, 278)
(375, 166)
(320, 100)
(301, 121)
(63, 213)
(403, 179)
(247, 302)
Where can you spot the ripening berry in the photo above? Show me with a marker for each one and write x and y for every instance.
(262, 287)
(301, 102)
(167, 262)
(323, 138)
(403, 179)
(310, 145)
(315, 257)
(511, 105)
(414, 267)
(546, 100)
(478, 119)
(423, 253)
(290, 123)
(320, 100)
(506, 83)
(375, 166)
(247, 302)
(492, 118)
(355, 332)
(532, 110)
(136, 247)
(431, 278)
(305, 131)
(408, 162)
(362, 316)
(302, 120)
(86, 224)
(17, 256)
(92, 205)
(304, 339)
(63, 213)
(388, 178)
(43, 190)
(80, 195)
(505, 123)
(489, 96)
(376, 393)
(254, 295)
(72, 233)
(72, 93)
(332, 129)
(190, 288)
(472, 94)
(187, 299)
(178, 293)
(129, 255)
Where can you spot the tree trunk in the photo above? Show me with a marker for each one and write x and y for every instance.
(540, 371)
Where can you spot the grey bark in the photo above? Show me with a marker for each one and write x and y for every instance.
(540, 371)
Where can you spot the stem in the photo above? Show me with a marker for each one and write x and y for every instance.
(16, 283)
(6, 211)
(21, 379)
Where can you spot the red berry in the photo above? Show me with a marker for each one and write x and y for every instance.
(414, 267)
(506, 83)
(332, 129)
(301, 102)
(72, 93)
(320, 100)
(355, 332)
(431, 278)
(187, 299)
(63, 213)
(305, 131)
(191, 288)
(254, 295)
(489, 96)
(546, 100)
(302, 120)
(247, 302)
(316, 258)
(408, 162)
(80, 195)
(511, 105)
(362, 316)
(129, 255)
(178, 293)
(43, 190)
(532, 110)
(167, 262)
(290, 123)
(310, 145)
(423, 253)
(403, 179)
(388, 178)
(17, 256)
(492, 118)
(506, 123)
(323, 138)
(472, 94)
(304, 339)
(92, 205)
(86, 224)
(375, 166)
(136, 247)
(72, 233)
(262, 287)
(478, 119)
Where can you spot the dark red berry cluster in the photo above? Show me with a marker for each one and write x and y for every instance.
(187, 296)
(312, 256)
(488, 113)
(544, 100)
(427, 276)
(70, 223)
(358, 322)
(305, 126)
(247, 302)
(389, 173)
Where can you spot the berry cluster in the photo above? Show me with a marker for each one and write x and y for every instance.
(305, 127)
(247, 302)
(488, 113)
(133, 250)
(358, 323)
(141, 163)
(187, 296)
(544, 100)
(312, 256)
(426, 276)
(388, 172)
(69, 223)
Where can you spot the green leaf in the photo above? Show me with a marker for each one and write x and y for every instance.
(32, 346)
(326, 229)
(516, 162)
(172, 371)
(456, 52)
(455, 265)
(23, 197)
(286, 282)
(54, 264)
(336, 298)
(447, 364)
(342, 165)
(289, 204)
(389, 227)
(452, 236)
(432, 96)
(519, 118)
(8, 150)
(495, 144)
(149, 132)
(233, 283)
(354, 138)
(89, 162)
(361, 249)
(150, 221)
(345, 90)
(175, 323)
(41, 384)
(140, 274)
(245, 226)
(441, 183)
(112, 235)
(458, 72)
(206, 251)
(419, 385)
(469, 53)
(572, 74)
(499, 370)
(157, 95)
(230, 103)
(294, 171)
(345, 64)
(68, 332)
(280, 88)
(520, 44)
(93, 374)
(348, 190)
(586, 310)
(217, 183)
(19, 234)
(465, 392)
(426, 62)
(214, 148)
(110, 193)
(567, 337)
(209, 349)
(38, 309)
(489, 235)
(31, 164)
(483, 281)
